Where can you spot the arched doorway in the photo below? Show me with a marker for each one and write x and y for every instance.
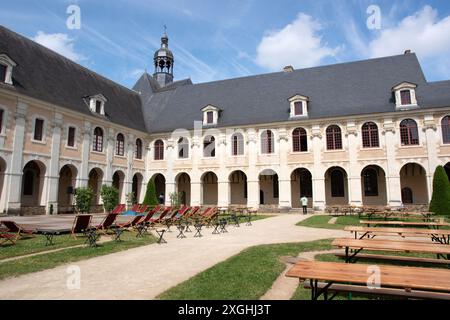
(238, 188)
(373, 186)
(33, 184)
(413, 181)
(2, 181)
(447, 170)
(209, 189)
(336, 186)
(136, 187)
(269, 188)
(118, 181)
(183, 185)
(160, 185)
(95, 183)
(301, 185)
(66, 187)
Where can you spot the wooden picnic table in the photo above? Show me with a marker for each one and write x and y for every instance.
(389, 245)
(403, 278)
(441, 236)
(404, 223)
(426, 216)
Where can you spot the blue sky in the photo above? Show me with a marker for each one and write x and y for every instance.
(214, 40)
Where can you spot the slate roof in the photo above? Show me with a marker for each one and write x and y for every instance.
(347, 89)
(48, 76)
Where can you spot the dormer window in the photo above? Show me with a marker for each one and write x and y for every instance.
(210, 115)
(97, 104)
(6, 69)
(298, 106)
(405, 95)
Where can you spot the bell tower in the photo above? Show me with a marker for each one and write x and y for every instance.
(163, 61)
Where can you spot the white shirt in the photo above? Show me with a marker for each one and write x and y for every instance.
(304, 201)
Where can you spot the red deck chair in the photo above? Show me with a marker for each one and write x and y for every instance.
(180, 213)
(119, 209)
(135, 207)
(129, 224)
(5, 237)
(107, 222)
(18, 230)
(81, 224)
(159, 217)
(143, 209)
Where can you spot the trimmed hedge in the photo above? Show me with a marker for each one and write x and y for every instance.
(440, 202)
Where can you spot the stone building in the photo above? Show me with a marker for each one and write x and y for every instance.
(362, 133)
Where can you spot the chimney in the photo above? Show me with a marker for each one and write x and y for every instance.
(407, 51)
(288, 69)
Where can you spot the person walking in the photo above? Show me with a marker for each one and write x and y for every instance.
(161, 199)
(304, 202)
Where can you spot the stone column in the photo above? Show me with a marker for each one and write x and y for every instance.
(354, 175)
(253, 174)
(284, 179)
(128, 181)
(170, 179)
(16, 170)
(318, 174)
(432, 143)
(393, 185)
(110, 152)
(52, 178)
(196, 192)
(223, 185)
(83, 175)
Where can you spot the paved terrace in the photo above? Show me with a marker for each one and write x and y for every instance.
(145, 272)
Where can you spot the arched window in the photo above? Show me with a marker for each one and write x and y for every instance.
(209, 147)
(237, 144)
(28, 182)
(370, 180)
(159, 150)
(407, 196)
(370, 137)
(409, 134)
(334, 138)
(445, 124)
(337, 183)
(183, 148)
(97, 144)
(138, 149)
(299, 140)
(267, 142)
(120, 142)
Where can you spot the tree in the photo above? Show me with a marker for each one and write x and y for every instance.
(440, 202)
(83, 199)
(110, 197)
(150, 195)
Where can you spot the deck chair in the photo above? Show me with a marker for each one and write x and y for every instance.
(143, 209)
(107, 222)
(129, 224)
(81, 224)
(20, 232)
(119, 209)
(5, 237)
(135, 207)
(158, 218)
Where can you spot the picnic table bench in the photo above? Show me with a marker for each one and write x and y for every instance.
(406, 282)
(435, 225)
(425, 216)
(441, 250)
(441, 236)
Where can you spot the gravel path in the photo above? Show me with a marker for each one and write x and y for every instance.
(145, 272)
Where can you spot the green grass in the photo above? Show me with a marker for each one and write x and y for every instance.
(246, 276)
(54, 259)
(322, 222)
(35, 245)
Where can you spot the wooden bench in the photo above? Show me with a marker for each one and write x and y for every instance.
(408, 279)
(441, 250)
(397, 258)
(441, 236)
(435, 225)
(383, 292)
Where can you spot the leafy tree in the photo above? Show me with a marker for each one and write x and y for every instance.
(440, 202)
(150, 195)
(83, 199)
(110, 197)
(175, 199)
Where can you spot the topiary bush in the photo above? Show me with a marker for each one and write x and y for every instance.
(110, 197)
(150, 195)
(440, 202)
(83, 199)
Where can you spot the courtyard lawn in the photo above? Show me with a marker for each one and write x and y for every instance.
(36, 245)
(246, 276)
(70, 255)
(321, 221)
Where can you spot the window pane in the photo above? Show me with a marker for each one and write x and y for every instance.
(370, 135)
(210, 117)
(370, 177)
(1, 120)
(38, 128)
(159, 150)
(409, 134)
(2, 73)
(98, 106)
(71, 137)
(334, 138)
(138, 151)
(446, 129)
(337, 184)
(405, 97)
(298, 106)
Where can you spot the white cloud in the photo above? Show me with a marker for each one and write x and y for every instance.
(60, 43)
(422, 32)
(298, 44)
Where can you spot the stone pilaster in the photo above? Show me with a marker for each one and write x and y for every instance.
(52, 178)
